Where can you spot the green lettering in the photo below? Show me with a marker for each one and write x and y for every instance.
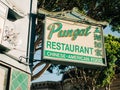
(98, 44)
(98, 52)
(48, 44)
(87, 31)
(71, 48)
(61, 33)
(65, 33)
(55, 27)
(63, 46)
(86, 50)
(67, 47)
(97, 30)
(81, 32)
(53, 45)
(58, 46)
(75, 34)
(91, 50)
(70, 33)
(76, 48)
(81, 50)
(97, 37)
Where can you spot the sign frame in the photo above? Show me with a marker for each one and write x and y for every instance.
(72, 62)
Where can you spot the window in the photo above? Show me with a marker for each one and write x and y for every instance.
(12, 15)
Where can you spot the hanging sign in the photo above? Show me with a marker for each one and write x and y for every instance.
(75, 43)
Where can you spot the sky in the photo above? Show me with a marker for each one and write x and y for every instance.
(46, 76)
(108, 30)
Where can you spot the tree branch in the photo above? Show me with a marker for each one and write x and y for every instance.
(40, 72)
(37, 65)
(87, 18)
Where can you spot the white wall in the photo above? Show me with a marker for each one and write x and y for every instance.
(14, 34)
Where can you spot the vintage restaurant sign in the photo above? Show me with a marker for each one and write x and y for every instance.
(66, 41)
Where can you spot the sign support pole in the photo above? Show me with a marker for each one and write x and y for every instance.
(31, 37)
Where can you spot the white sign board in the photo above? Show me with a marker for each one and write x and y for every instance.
(66, 41)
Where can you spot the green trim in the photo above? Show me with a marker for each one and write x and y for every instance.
(71, 57)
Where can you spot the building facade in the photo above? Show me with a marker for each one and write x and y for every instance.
(15, 26)
(47, 85)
